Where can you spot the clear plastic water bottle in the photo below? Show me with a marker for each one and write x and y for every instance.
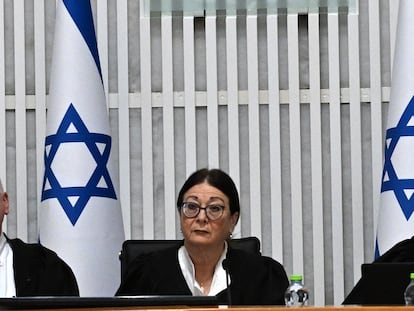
(296, 294)
(409, 291)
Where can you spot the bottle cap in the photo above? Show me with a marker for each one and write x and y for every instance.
(412, 275)
(298, 277)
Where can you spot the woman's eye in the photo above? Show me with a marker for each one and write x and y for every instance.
(215, 208)
(192, 206)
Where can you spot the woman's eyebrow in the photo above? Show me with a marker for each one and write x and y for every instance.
(194, 197)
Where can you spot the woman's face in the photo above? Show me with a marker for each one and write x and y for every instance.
(200, 229)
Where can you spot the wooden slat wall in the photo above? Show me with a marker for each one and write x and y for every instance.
(293, 144)
(254, 135)
(355, 137)
(3, 153)
(168, 124)
(123, 114)
(316, 156)
(336, 158)
(20, 117)
(376, 104)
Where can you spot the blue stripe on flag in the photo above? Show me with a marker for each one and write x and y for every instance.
(81, 13)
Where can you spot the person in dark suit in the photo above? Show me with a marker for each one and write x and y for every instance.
(31, 269)
(363, 293)
(209, 209)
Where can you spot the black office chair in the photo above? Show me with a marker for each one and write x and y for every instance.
(133, 248)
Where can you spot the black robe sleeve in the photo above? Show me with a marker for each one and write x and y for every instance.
(38, 271)
(156, 273)
(255, 279)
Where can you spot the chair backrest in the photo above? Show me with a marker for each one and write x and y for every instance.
(133, 248)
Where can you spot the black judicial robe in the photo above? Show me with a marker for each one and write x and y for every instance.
(402, 251)
(255, 279)
(38, 271)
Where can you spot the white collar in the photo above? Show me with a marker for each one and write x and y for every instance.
(218, 283)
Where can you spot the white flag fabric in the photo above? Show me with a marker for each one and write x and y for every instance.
(80, 216)
(396, 222)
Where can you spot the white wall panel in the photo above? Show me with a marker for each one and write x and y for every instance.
(355, 138)
(20, 119)
(295, 145)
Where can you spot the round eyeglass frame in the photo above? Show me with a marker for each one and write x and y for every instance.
(208, 209)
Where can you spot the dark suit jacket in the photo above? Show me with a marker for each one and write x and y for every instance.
(38, 271)
(255, 279)
(401, 252)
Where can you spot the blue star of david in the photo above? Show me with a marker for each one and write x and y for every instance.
(83, 193)
(395, 184)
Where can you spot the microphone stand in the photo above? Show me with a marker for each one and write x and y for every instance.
(226, 268)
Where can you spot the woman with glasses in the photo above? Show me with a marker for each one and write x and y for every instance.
(205, 264)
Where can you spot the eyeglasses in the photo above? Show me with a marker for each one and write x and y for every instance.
(191, 210)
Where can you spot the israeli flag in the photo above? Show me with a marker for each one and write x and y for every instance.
(396, 220)
(80, 216)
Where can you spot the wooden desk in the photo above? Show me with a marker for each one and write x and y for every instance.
(250, 308)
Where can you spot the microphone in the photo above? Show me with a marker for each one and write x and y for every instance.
(226, 268)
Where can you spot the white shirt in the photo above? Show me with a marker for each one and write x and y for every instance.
(7, 285)
(218, 283)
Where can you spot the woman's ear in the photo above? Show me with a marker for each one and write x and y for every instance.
(5, 202)
(234, 219)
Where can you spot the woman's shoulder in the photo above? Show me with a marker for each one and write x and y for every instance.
(152, 260)
(251, 269)
(165, 254)
(247, 259)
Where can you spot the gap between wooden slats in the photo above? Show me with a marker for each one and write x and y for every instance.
(336, 159)
(316, 162)
(233, 105)
(189, 95)
(393, 4)
(3, 149)
(274, 138)
(254, 125)
(102, 42)
(295, 144)
(146, 128)
(356, 152)
(212, 100)
(20, 126)
(40, 90)
(168, 126)
(123, 115)
(376, 109)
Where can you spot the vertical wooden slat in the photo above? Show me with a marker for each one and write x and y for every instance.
(316, 160)
(295, 143)
(336, 158)
(254, 123)
(123, 115)
(168, 125)
(189, 95)
(356, 152)
(233, 103)
(40, 88)
(3, 163)
(376, 106)
(212, 101)
(21, 148)
(146, 129)
(274, 137)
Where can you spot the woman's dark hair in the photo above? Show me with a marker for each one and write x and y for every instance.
(216, 178)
